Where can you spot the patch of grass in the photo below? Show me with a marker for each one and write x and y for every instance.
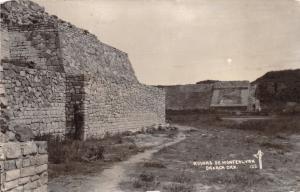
(246, 178)
(182, 178)
(154, 164)
(146, 182)
(179, 187)
(146, 177)
(67, 150)
(270, 127)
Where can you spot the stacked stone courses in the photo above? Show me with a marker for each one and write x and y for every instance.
(61, 80)
(24, 166)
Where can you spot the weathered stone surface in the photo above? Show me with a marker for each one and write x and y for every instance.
(10, 165)
(10, 185)
(29, 148)
(41, 168)
(15, 177)
(44, 178)
(23, 133)
(31, 185)
(41, 159)
(2, 153)
(24, 180)
(26, 163)
(54, 77)
(27, 171)
(18, 163)
(12, 150)
(12, 175)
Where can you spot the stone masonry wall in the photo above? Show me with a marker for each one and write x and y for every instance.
(37, 44)
(114, 108)
(23, 166)
(23, 163)
(36, 98)
(114, 100)
(5, 45)
(188, 97)
(62, 80)
(83, 53)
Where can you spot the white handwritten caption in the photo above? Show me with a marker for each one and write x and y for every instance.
(230, 164)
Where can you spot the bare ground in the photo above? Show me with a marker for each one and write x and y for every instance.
(106, 176)
(166, 162)
(211, 141)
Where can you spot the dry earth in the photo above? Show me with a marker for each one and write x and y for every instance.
(166, 164)
(280, 173)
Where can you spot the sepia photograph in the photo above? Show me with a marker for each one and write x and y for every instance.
(150, 96)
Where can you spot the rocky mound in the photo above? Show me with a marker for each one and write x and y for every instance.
(279, 87)
(24, 12)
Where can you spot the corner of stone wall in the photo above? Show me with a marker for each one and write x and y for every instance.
(24, 166)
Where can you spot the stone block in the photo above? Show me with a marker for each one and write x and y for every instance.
(3, 139)
(29, 148)
(10, 185)
(41, 159)
(18, 189)
(1, 167)
(27, 171)
(12, 175)
(24, 180)
(34, 177)
(30, 186)
(26, 162)
(19, 163)
(2, 89)
(41, 168)
(9, 165)
(12, 150)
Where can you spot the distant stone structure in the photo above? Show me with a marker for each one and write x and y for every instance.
(237, 95)
(62, 80)
(188, 97)
(212, 96)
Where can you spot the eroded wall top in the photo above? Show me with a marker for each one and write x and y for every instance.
(51, 43)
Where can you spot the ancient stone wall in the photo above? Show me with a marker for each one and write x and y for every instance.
(62, 80)
(4, 43)
(83, 53)
(37, 44)
(188, 97)
(113, 108)
(114, 100)
(36, 98)
(23, 163)
(23, 166)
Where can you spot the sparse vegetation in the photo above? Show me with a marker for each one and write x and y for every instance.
(270, 127)
(154, 164)
(213, 139)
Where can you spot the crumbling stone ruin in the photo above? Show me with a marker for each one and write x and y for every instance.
(62, 80)
(23, 162)
(213, 96)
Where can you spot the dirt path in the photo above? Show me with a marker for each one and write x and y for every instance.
(109, 179)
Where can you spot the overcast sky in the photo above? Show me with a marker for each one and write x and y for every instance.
(185, 41)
